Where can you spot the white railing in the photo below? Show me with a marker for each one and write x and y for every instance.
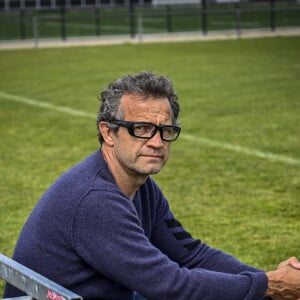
(34, 285)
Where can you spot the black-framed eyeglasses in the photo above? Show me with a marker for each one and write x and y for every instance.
(146, 130)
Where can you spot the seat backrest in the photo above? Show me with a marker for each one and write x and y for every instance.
(31, 283)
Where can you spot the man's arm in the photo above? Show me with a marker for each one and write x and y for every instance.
(284, 283)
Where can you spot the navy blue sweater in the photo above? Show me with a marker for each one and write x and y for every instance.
(86, 235)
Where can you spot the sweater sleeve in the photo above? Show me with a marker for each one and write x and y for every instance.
(108, 235)
(177, 243)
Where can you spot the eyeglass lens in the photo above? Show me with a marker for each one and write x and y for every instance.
(147, 130)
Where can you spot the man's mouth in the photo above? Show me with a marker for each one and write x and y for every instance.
(152, 155)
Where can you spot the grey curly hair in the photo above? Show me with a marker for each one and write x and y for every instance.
(145, 84)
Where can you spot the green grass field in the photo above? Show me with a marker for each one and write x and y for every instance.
(233, 178)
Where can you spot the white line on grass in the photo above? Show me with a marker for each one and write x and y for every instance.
(32, 102)
(247, 151)
(236, 148)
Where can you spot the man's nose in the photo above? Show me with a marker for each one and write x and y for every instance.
(156, 140)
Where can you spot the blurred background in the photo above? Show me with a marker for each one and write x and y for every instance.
(66, 19)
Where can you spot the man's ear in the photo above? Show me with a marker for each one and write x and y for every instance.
(106, 133)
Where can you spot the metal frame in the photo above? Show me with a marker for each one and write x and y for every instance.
(31, 283)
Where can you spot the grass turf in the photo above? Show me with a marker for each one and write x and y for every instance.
(240, 92)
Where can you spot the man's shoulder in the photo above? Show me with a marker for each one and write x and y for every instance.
(77, 180)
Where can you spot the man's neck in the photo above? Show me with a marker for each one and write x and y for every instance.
(126, 181)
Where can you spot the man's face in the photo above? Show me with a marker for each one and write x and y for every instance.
(138, 156)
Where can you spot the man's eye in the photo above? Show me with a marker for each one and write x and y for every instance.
(169, 131)
(143, 127)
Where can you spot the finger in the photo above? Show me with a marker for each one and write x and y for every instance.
(294, 263)
(284, 263)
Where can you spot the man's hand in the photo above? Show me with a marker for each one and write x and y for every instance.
(284, 283)
(292, 261)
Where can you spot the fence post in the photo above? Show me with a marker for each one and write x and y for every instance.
(140, 27)
(204, 16)
(237, 9)
(35, 29)
(272, 15)
(6, 5)
(132, 22)
(97, 21)
(22, 24)
(63, 20)
(38, 4)
(169, 18)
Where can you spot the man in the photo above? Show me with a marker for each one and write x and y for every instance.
(105, 230)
